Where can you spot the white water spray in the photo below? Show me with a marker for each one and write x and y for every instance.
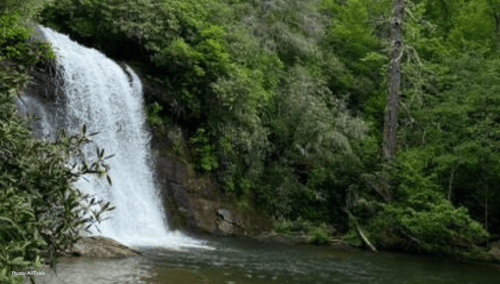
(108, 100)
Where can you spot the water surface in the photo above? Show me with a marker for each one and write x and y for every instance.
(236, 260)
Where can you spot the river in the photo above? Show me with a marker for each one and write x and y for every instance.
(242, 260)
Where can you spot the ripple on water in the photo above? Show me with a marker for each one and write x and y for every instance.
(246, 262)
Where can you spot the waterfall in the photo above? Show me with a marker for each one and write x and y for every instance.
(44, 125)
(108, 99)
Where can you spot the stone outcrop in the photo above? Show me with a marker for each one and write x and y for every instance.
(193, 202)
(101, 247)
(178, 208)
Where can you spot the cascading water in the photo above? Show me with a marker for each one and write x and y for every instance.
(44, 126)
(108, 100)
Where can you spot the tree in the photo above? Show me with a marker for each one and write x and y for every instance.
(390, 125)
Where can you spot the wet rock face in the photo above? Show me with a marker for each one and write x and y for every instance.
(195, 204)
(44, 83)
(101, 247)
(44, 79)
(191, 201)
(178, 209)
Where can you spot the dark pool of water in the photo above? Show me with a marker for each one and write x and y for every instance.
(236, 260)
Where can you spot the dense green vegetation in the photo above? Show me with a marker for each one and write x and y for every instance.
(282, 103)
(40, 211)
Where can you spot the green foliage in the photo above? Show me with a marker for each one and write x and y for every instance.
(153, 117)
(39, 208)
(351, 27)
(283, 103)
(420, 218)
(27, 9)
(357, 32)
(435, 227)
(17, 55)
(352, 238)
(449, 111)
(204, 151)
(283, 226)
(318, 234)
(175, 135)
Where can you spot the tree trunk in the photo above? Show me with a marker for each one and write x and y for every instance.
(391, 123)
(360, 231)
(497, 28)
(494, 6)
(450, 184)
(486, 210)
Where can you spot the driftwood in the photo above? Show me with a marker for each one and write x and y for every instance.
(360, 231)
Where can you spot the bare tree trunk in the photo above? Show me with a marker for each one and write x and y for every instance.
(360, 231)
(450, 184)
(494, 6)
(497, 28)
(391, 111)
(486, 210)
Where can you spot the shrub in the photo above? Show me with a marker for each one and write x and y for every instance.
(421, 218)
(318, 234)
(39, 208)
(283, 226)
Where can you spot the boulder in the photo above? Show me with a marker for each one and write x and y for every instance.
(495, 250)
(101, 247)
(225, 227)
